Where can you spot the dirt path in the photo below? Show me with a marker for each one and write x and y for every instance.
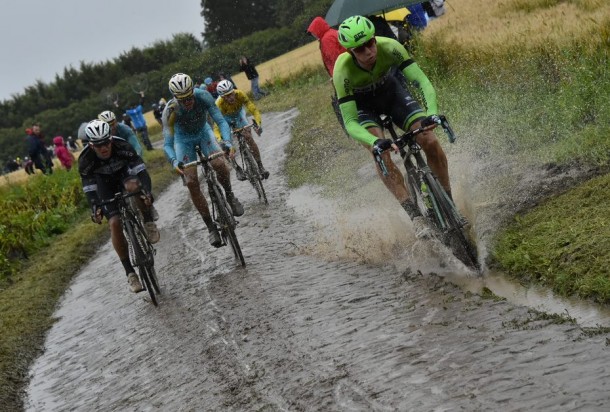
(328, 315)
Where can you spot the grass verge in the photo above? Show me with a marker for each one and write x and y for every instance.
(27, 305)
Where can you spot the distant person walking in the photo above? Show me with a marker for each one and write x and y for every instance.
(252, 75)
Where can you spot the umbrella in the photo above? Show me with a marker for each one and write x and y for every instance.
(342, 9)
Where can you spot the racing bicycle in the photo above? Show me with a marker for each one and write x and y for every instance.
(426, 191)
(221, 211)
(249, 165)
(141, 251)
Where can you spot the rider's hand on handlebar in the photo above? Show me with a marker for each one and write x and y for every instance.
(258, 129)
(382, 145)
(147, 199)
(228, 149)
(430, 122)
(96, 214)
(178, 167)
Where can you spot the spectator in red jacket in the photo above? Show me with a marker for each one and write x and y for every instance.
(330, 48)
(62, 152)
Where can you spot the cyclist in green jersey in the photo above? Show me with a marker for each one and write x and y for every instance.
(366, 90)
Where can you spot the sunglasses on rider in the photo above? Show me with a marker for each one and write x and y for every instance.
(364, 46)
(102, 144)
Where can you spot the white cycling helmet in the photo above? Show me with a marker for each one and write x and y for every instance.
(98, 131)
(224, 87)
(107, 116)
(181, 85)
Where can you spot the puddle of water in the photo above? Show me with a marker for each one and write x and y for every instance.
(375, 237)
(586, 313)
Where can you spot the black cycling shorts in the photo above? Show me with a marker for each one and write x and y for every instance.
(390, 99)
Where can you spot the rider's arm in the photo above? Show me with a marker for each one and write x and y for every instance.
(414, 74)
(252, 109)
(88, 179)
(168, 119)
(217, 133)
(347, 102)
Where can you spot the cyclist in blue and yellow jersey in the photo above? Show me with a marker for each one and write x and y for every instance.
(109, 165)
(121, 130)
(366, 89)
(184, 127)
(232, 104)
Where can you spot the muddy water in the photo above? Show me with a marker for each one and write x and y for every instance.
(329, 314)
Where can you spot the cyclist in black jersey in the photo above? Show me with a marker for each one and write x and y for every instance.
(109, 165)
(366, 89)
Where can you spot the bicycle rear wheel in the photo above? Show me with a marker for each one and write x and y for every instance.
(227, 222)
(454, 235)
(254, 175)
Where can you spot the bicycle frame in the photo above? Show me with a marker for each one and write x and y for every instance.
(221, 211)
(249, 164)
(209, 175)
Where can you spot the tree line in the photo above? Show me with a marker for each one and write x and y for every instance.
(259, 29)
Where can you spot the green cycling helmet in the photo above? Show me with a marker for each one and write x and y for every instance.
(355, 31)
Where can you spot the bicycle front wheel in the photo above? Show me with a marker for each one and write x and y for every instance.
(227, 222)
(142, 260)
(254, 175)
(454, 234)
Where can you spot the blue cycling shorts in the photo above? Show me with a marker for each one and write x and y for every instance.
(185, 144)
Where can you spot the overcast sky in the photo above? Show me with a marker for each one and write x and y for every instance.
(38, 38)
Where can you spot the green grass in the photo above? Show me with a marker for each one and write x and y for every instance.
(28, 300)
(563, 243)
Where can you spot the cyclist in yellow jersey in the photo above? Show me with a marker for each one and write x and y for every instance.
(232, 103)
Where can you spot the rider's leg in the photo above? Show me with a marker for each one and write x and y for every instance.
(394, 181)
(122, 250)
(437, 160)
(201, 204)
(253, 146)
(119, 242)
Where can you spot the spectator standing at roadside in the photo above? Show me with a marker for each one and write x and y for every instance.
(63, 154)
(137, 116)
(330, 49)
(37, 150)
(158, 110)
(210, 85)
(252, 75)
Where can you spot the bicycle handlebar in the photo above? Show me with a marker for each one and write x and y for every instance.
(427, 123)
(198, 162)
(240, 129)
(119, 195)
